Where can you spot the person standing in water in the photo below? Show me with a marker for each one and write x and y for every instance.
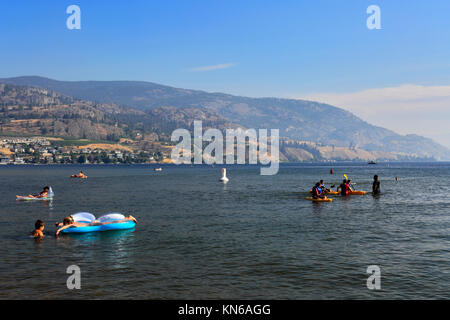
(376, 185)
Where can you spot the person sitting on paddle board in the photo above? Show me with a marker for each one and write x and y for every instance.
(376, 185)
(69, 222)
(41, 194)
(317, 191)
(344, 187)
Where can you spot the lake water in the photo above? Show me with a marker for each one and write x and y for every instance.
(253, 238)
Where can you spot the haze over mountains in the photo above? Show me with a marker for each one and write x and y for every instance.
(296, 119)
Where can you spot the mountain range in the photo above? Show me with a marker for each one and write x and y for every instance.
(137, 105)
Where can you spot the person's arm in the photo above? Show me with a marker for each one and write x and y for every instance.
(62, 228)
(75, 224)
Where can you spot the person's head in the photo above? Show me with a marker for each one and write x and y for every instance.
(344, 181)
(348, 181)
(321, 181)
(375, 177)
(68, 220)
(318, 184)
(39, 225)
(46, 188)
(81, 171)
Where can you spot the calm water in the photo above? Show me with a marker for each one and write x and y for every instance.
(255, 237)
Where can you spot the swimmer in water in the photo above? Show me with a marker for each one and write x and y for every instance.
(38, 229)
(69, 222)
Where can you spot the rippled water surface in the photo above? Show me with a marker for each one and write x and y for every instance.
(256, 237)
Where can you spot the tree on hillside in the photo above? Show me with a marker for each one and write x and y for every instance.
(81, 159)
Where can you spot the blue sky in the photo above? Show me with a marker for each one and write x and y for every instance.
(254, 48)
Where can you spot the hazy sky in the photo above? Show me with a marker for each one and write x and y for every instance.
(303, 49)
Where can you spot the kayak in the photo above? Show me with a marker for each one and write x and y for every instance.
(319, 200)
(330, 192)
(357, 193)
(75, 176)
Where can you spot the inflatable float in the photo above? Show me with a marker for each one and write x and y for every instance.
(76, 176)
(49, 196)
(319, 199)
(86, 217)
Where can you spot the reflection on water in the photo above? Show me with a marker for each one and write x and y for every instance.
(254, 237)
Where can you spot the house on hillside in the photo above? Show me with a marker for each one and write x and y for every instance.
(5, 160)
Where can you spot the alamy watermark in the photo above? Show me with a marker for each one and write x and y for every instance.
(374, 20)
(374, 280)
(239, 140)
(74, 280)
(74, 20)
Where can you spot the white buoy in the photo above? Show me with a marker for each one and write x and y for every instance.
(224, 178)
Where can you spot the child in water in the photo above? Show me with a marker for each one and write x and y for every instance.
(38, 229)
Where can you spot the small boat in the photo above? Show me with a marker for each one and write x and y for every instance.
(157, 169)
(371, 162)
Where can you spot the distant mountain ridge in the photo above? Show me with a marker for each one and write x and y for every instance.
(296, 119)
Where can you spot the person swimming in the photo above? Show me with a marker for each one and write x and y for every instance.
(376, 185)
(38, 229)
(41, 194)
(69, 222)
